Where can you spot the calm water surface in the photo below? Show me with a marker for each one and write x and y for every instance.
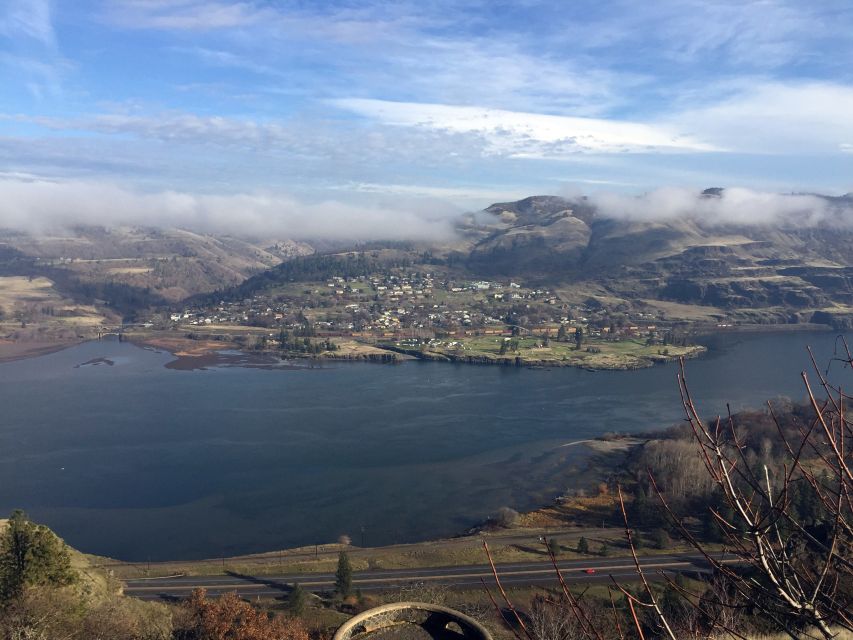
(137, 461)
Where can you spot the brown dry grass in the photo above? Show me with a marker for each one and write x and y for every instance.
(353, 348)
(15, 290)
(25, 297)
(183, 347)
(26, 330)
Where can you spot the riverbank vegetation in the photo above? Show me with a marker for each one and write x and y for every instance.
(526, 351)
(544, 351)
(771, 489)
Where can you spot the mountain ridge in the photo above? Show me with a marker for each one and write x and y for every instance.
(757, 273)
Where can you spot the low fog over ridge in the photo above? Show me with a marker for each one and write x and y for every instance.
(730, 206)
(39, 205)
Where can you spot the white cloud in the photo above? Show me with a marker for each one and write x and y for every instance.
(33, 58)
(30, 19)
(762, 118)
(775, 117)
(592, 181)
(757, 34)
(36, 204)
(457, 194)
(41, 76)
(686, 40)
(191, 15)
(176, 127)
(735, 206)
(505, 74)
(531, 135)
(365, 48)
(216, 57)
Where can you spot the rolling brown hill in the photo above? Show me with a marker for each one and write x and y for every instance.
(172, 263)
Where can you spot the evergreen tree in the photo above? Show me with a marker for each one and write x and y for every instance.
(583, 545)
(711, 531)
(604, 550)
(578, 338)
(31, 554)
(637, 538)
(554, 546)
(343, 575)
(661, 538)
(561, 333)
(296, 600)
(641, 511)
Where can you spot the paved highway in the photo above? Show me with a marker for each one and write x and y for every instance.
(516, 574)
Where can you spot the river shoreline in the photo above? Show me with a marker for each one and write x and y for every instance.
(533, 363)
(191, 354)
(410, 454)
(549, 518)
(14, 351)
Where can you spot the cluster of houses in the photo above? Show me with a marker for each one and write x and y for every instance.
(407, 304)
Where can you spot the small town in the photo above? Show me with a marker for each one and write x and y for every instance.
(416, 305)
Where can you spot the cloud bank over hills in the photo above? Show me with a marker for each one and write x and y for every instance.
(394, 114)
(734, 206)
(36, 205)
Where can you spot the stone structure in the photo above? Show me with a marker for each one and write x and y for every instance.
(411, 621)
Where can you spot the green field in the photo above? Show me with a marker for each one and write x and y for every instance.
(593, 354)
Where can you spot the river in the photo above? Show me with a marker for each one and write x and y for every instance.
(127, 458)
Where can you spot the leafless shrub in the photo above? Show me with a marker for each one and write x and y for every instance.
(506, 517)
(551, 620)
(795, 573)
(47, 613)
(422, 592)
(677, 468)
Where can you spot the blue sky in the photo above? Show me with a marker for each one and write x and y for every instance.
(384, 114)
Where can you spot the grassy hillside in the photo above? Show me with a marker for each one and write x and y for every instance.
(171, 263)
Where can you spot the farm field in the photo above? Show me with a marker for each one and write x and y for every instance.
(536, 351)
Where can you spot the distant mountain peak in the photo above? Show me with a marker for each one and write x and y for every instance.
(532, 205)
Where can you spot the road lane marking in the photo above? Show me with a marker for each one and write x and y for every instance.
(472, 569)
(503, 575)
